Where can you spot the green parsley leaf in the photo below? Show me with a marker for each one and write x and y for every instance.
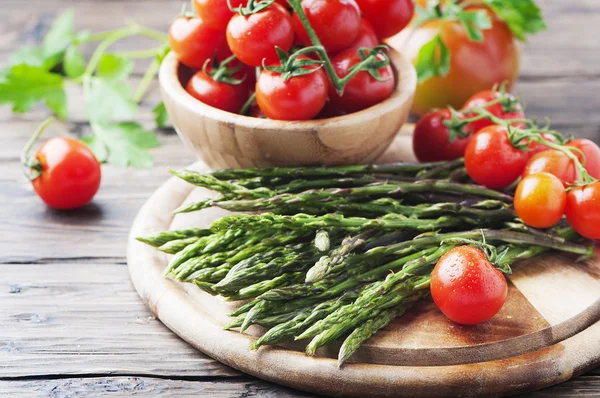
(522, 16)
(73, 62)
(433, 59)
(24, 85)
(474, 23)
(114, 67)
(60, 35)
(97, 146)
(160, 115)
(126, 143)
(108, 101)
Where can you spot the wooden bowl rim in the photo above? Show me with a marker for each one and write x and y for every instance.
(406, 83)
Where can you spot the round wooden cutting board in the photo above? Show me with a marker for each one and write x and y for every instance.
(547, 332)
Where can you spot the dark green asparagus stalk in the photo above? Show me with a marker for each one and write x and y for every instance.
(175, 246)
(224, 187)
(259, 288)
(162, 238)
(197, 206)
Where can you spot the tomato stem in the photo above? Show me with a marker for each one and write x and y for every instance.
(247, 104)
(31, 163)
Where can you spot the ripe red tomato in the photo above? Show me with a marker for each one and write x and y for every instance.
(70, 174)
(362, 91)
(298, 98)
(483, 97)
(221, 95)
(583, 210)
(540, 200)
(491, 160)
(592, 155)
(553, 162)
(535, 147)
(466, 287)
(193, 42)
(216, 13)
(387, 16)
(474, 66)
(431, 138)
(336, 23)
(366, 37)
(253, 38)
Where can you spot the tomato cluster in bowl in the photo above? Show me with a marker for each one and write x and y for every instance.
(295, 60)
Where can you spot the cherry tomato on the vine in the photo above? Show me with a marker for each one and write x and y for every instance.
(336, 23)
(431, 138)
(253, 38)
(474, 66)
(70, 174)
(193, 42)
(480, 99)
(388, 17)
(554, 162)
(363, 90)
(536, 147)
(216, 13)
(298, 98)
(221, 95)
(491, 160)
(592, 155)
(540, 200)
(466, 287)
(583, 210)
(366, 37)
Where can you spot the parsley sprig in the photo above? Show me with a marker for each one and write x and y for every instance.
(41, 73)
(521, 16)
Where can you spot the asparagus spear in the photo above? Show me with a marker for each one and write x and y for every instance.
(258, 288)
(175, 246)
(162, 238)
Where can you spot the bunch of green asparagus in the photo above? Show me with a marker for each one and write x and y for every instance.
(331, 253)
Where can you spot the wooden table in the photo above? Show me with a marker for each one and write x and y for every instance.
(70, 320)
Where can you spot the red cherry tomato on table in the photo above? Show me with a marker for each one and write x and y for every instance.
(70, 174)
(221, 95)
(387, 16)
(540, 200)
(466, 287)
(554, 162)
(216, 13)
(193, 42)
(491, 160)
(592, 155)
(298, 98)
(363, 90)
(583, 210)
(431, 138)
(480, 99)
(336, 23)
(253, 38)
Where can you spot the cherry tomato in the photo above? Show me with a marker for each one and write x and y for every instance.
(536, 147)
(592, 155)
(329, 111)
(255, 111)
(366, 37)
(474, 66)
(70, 174)
(540, 200)
(480, 99)
(387, 16)
(431, 138)
(336, 23)
(583, 210)
(362, 91)
(221, 95)
(193, 42)
(553, 162)
(491, 160)
(298, 98)
(466, 287)
(253, 38)
(216, 13)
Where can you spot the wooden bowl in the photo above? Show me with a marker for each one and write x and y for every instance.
(224, 139)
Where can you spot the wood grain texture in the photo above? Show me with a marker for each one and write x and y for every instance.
(560, 78)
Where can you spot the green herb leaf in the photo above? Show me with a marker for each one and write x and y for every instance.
(97, 146)
(60, 35)
(433, 59)
(522, 16)
(126, 143)
(160, 115)
(108, 101)
(114, 67)
(73, 62)
(24, 85)
(34, 56)
(474, 22)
